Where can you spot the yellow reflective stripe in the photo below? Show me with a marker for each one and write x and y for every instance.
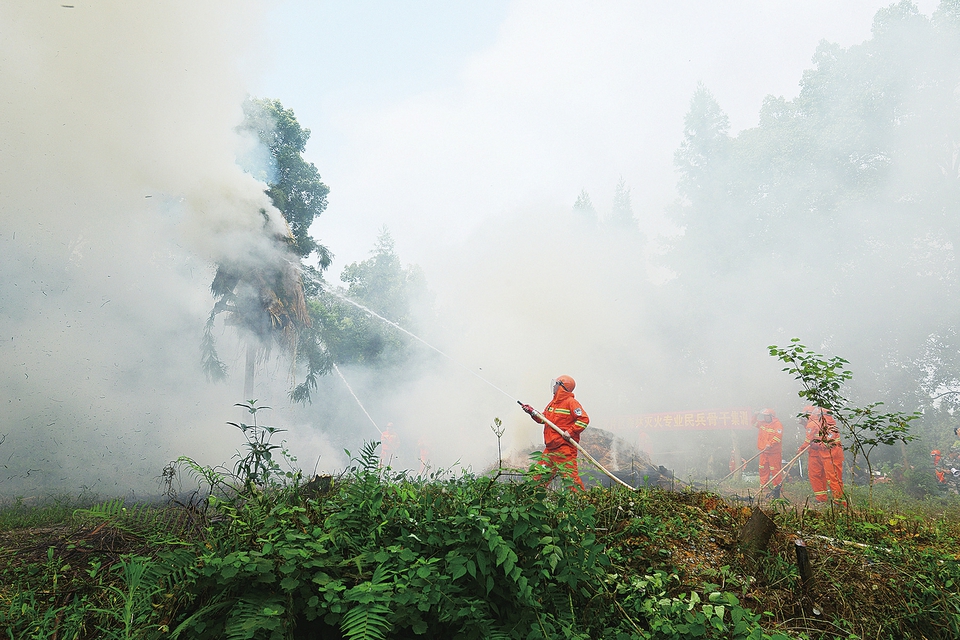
(565, 412)
(776, 438)
(581, 423)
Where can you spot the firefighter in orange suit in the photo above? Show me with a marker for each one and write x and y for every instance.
(940, 473)
(825, 457)
(565, 412)
(769, 442)
(388, 445)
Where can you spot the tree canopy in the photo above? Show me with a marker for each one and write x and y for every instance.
(295, 187)
(841, 203)
(282, 300)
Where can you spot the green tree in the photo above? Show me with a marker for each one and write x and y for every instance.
(705, 143)
(584, 207)
(621, 216)
(295, 187)
(822, 383)
(343, 333)
(263, 295)
(838, 210)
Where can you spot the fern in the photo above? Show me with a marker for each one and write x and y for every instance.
(367, 619)
(174, 568)
(200, 616)
(159, 525)
(250, 616)
(111, 510)
(208, 475)
(134, 519)
(366, 622)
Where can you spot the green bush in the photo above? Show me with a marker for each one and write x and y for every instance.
(386, 556)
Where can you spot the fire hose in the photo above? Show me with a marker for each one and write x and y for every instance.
(563, 434)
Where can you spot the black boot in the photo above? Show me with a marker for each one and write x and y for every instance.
(775, 493)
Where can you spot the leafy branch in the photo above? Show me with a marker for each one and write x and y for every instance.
(822, 383)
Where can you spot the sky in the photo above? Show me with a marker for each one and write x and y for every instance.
(430, 117)
(467, 131)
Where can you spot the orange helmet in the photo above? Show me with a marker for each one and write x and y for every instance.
(566, 382)
(935, 452)
(767, 415)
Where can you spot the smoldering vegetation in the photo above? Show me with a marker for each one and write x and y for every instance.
(834, 220)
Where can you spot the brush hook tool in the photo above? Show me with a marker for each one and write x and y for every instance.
(783, 471)
(741, 467)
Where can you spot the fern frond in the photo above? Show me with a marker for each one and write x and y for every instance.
(199, 615)
(249, 616)
(366, 622)
(160, 525)
(173, 569)
(380, 575)
(135, 519)
(109, 510)
(208, 475)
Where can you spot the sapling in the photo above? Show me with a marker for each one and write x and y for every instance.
(822, 381)
(255, 468)
(498, 429)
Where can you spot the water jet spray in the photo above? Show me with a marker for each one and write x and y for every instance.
(350, 389)
(546, 421)
(415, 337)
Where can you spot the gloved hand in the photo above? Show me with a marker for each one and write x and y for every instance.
(528, 409)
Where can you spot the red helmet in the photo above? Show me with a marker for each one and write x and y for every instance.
(566, 382)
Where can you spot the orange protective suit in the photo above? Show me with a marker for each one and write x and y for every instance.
(769, 442)
(388, 445)
(825, 457)
(560, 456)
(940, 473)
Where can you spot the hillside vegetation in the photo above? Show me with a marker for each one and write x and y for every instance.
(377, 554)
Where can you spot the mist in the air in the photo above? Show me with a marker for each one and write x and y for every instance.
(123, 186)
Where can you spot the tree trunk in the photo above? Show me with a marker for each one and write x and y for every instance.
(251, 367)
(755, 535)
(803, 565)
(737, 456)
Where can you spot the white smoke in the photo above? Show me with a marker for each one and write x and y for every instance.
(119, 190)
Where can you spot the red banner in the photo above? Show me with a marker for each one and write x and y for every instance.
(709, 419)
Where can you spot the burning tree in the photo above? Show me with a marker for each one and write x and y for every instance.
(263, 295)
